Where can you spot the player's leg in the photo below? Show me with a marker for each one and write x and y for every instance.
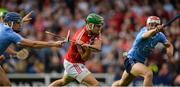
(79, 72)
(4, 81)
(90, 80)
(66, 78)
(125, 80)
(83, 75)
(140, 69)
(126, 77)
(62, 82)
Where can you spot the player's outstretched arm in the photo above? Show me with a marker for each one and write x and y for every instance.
(40, 44)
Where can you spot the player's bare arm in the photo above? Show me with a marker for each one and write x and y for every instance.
(96, 47)
(11, 51)
(169, 50)
(87, 52)
(84, 51)
(149, 34)
(40, 44)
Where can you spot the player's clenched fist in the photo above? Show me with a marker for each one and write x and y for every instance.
(159, 28)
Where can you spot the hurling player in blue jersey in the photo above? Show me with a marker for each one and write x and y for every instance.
(9, 34)
(3, 12)
(145, 42)
(26, 18)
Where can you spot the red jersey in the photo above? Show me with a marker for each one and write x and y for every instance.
(72, 55)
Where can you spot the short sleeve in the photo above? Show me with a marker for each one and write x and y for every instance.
(140, 34)
(163, 38)
(15, 37)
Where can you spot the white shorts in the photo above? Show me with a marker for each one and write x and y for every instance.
(77, 71)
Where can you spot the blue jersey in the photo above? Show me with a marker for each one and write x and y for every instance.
(142, 48)
(7, 36)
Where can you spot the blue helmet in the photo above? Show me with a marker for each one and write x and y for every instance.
(13, 17)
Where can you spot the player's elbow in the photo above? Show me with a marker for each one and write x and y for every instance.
(169, 46)
(170, 50)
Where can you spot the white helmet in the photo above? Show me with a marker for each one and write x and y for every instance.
(153, 19)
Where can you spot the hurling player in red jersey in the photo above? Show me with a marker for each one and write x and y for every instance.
(84, 42)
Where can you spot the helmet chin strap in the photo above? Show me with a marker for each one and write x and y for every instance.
(91, 27)
(17, 31)
(11, 24)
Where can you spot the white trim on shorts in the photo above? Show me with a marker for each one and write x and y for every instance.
(77, 71)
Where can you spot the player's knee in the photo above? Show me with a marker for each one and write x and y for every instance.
(62, 82)
(93, 83)
(9, 83)
(116, 84)
(6, 83)
(149, 74)
(96, 83)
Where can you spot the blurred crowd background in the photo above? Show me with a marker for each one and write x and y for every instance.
(123, 20)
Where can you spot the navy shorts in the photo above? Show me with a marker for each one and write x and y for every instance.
(128, 63)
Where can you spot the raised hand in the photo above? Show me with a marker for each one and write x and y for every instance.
(27, 18)
(67, 39)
